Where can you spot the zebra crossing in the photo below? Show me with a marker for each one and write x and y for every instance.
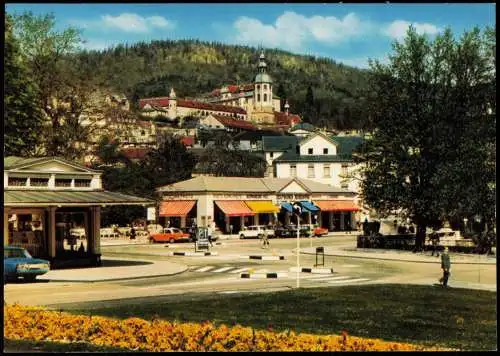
(330, 279)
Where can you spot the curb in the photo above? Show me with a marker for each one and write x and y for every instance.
(112, 279)
(194, 254)
(264, 258)
(264, 275)
(312, 270)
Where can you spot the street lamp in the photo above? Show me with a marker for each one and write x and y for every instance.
(465, 224)
(297, 209)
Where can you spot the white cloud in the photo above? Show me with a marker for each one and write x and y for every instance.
(292, 30)
(397, 29)
(129, 22)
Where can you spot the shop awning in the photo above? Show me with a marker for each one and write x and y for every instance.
(234, 208)
(262, 206)
(336, 205)
(287, 206)
(176, 207)
(308, 206)
(37, 198)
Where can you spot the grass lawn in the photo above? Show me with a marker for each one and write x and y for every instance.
(457, 318)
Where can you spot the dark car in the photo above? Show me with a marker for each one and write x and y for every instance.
(291, 231)
(191, 231)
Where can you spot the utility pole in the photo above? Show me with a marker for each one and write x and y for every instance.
(298, 210)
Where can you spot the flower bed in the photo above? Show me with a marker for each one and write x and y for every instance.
(38, 324)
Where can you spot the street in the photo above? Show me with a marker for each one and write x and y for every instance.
(206, 275)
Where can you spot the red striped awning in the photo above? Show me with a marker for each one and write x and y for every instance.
(234, 208)
(336, 205)
(176, 207)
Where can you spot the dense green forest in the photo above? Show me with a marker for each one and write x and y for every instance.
(193, 67)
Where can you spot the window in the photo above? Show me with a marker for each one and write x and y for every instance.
(258, 97)
(344, 170)
(293, 170)
(143, 132)
(63, 182)
(326, 171)
(265, 86)
(17, 182)
(265, 97)
(344, 186)
(39, 182)
(271, 154)
(325, 151)
(258, 87)
(310, 171)
(82, 183)
(310, 151)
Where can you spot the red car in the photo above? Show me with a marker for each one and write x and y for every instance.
(170, 234)
(317, 230)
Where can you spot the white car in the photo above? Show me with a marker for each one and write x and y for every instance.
(255, 231)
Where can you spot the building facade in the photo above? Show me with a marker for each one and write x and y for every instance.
(52, 208)
(234, 202)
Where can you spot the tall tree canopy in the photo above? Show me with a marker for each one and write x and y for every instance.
(22, 118)
(432, 134)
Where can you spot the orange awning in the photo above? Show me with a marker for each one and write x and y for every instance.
(234, 207)
(336, 205)
(176, 207)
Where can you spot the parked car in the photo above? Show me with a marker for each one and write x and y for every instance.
(255, 231)
(291, 231)
(17, 262)
(191, 231)
(316, 230)
(170, 234)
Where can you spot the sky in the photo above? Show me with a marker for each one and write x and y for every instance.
(347, 33)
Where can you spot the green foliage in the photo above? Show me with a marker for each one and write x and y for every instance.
(22, 118)
(430, 154)
(227, 162)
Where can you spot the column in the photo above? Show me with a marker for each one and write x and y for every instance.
(319, 220)
(242, 222)
(226, 221)
(309, 217)
(287, 218)
(51, 233)
(183, 221)
(86, 227)
(330, 220)
(5, 226)
(342, 217)
(97, 237)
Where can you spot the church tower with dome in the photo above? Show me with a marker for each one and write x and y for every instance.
(263, 107)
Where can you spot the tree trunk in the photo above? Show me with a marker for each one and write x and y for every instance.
(420, 237)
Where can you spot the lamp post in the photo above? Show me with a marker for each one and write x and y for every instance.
(465, 224)
(297, 209)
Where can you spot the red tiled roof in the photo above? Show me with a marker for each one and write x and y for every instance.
(163, 102)
(187, 140)
(282, 118)
(159, 101)
(135, 152)
(233, 89)
(213, 107)
(231, 122)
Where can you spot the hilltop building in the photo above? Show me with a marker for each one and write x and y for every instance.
(253, 102)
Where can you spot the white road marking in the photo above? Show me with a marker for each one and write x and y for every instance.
(204, 269)
(349, 266)
(239, 270)
(223, 269)
(261, 271)
(350, 280)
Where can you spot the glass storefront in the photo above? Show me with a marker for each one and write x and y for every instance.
(27, 230)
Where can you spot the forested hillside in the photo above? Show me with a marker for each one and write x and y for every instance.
(193, 67)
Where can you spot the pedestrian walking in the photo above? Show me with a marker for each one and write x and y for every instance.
(265, 239)
(132, 233)
(445, 266)
(435, 242)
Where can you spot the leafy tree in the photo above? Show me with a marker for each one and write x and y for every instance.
(67, 93)
(226, 162)
(426, 110)
(22, 118)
